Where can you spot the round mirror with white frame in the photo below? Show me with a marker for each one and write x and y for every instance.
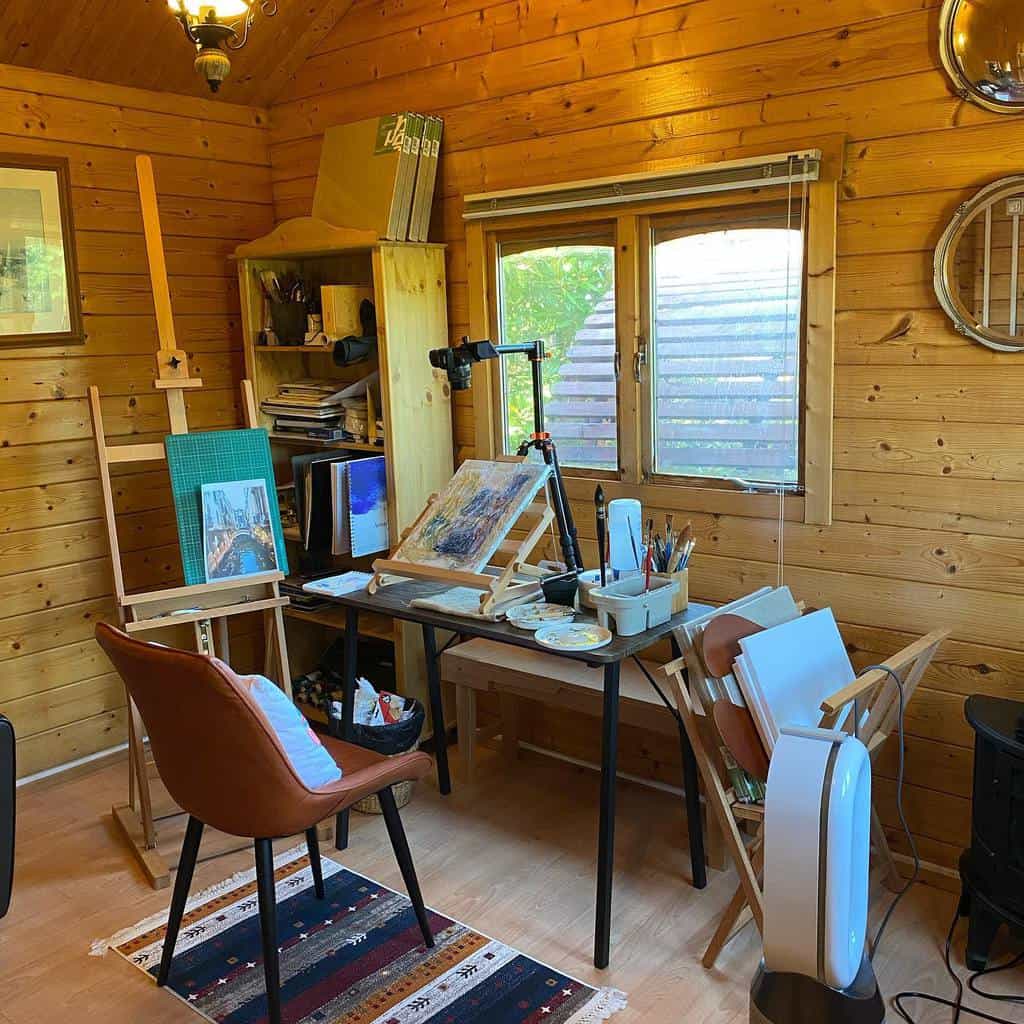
(982, 48)
(979, 270)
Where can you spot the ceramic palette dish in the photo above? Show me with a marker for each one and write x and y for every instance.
(579, 636)
(533, 616)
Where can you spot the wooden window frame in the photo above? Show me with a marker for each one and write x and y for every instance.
(747, 212)
(597, 231)
(632, 237)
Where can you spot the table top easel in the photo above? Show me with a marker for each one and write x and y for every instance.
(208, 606)
(504, 586)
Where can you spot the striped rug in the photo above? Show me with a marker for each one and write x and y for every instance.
(356, 957)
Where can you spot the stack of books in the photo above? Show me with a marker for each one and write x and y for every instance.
(319, 411)
(379, 174)
(308, 408)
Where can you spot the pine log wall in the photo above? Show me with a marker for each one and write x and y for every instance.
(213, 181)
(929, 428)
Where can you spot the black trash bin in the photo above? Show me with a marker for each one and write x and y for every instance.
(390, 740)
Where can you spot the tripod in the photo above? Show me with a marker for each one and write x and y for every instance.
(458, 363)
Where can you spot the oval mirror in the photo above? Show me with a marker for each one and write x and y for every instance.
(978, 267)
(982, 48)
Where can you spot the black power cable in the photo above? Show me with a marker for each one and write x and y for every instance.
(956, 1004)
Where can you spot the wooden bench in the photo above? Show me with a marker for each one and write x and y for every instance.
(485, 666)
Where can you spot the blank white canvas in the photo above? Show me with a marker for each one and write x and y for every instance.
(768, 609)
(787, 671)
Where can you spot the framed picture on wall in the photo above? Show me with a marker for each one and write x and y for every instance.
(39, 300)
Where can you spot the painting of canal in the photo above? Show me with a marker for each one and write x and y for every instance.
(238, 538)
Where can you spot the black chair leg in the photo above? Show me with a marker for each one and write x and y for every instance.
(268, 927)
(404, 858)
(313, 845)
(182, 884)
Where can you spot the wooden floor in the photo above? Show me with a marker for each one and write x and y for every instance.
(512, 855)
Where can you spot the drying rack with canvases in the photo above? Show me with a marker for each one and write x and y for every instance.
(208, 607)
(428, 551)
(871, 697)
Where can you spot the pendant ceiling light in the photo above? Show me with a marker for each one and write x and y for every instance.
(216, 26)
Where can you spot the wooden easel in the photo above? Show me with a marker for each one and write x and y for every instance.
(495, 589)
(875, 707)
(208, 606)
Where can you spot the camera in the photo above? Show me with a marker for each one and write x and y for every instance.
(458, 362)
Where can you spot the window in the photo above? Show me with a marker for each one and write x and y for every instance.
(564, 293)
(690, 337)
(726, 347)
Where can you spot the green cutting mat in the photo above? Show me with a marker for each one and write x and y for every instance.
(216, 457)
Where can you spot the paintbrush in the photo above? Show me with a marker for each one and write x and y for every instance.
(649, 555)
(632, 541)
(602, 519)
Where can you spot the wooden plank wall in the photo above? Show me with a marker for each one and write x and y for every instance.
(213, 181)
(929, 450)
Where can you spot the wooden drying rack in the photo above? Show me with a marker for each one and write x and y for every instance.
(208, 606)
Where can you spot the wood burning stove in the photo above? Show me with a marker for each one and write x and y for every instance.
(992, 870)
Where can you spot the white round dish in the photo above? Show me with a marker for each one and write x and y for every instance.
(573, 636)
(533, 616)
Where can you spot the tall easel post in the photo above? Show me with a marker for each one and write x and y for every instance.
(208, 606)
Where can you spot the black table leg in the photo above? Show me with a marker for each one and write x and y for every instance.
(691, 784)
(606, 837)
(694, 824)
(444, 779)
(351, 658)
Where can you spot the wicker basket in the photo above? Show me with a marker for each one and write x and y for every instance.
(371, 805)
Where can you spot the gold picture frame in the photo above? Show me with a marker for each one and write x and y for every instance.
(39, 298)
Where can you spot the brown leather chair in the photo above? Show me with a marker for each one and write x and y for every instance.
(224, 765)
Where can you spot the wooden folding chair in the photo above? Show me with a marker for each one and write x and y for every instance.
(875, 714)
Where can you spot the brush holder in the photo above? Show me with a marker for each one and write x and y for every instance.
(632, 608)
(682, 595)
(289, 320)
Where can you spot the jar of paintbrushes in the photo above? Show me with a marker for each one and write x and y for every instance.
(671, 557)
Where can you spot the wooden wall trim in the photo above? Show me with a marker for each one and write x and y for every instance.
(819, 373)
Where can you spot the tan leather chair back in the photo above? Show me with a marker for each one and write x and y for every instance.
(217, 755)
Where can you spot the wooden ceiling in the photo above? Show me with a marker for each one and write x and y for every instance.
(140, 43)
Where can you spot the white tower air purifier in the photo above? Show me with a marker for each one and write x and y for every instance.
(816, 861)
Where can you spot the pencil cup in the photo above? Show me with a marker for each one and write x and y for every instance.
(681, 598)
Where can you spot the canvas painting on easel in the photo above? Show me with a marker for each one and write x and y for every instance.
(464, 527)
(238, 534)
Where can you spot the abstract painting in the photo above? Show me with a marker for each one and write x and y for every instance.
(238, 534)
(473, 514)
(367, 505)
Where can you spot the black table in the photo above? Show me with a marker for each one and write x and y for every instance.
(394, 601)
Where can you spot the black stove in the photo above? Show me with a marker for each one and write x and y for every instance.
(992, 870)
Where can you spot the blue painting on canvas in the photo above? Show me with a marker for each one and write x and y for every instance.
(368, 505)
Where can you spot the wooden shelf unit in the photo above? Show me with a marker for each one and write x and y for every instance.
(309, 443)
(379, 626)
(408, 282)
